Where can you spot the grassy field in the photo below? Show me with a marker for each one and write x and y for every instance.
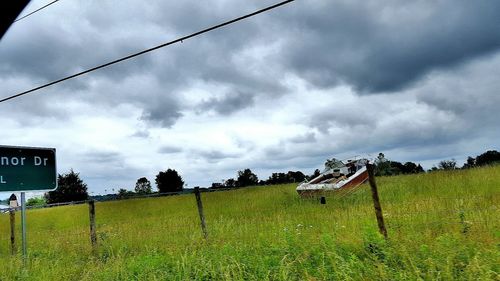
(442, 226)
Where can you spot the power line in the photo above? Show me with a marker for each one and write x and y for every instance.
(39, 9)
(148, 50)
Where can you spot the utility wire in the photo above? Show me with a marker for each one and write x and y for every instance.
(148, 50)
(25, 16)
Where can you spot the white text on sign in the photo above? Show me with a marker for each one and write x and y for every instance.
(21, 161)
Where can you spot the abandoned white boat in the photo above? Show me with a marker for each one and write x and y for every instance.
(336, 176)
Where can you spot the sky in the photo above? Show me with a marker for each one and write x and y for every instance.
(285, 90)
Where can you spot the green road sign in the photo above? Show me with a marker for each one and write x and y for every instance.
(27, 168)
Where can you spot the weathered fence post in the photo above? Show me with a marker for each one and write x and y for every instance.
(376, 201)
(200, 211)
(93, 235)
(12, 215)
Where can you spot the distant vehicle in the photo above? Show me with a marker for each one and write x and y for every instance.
(336, 176)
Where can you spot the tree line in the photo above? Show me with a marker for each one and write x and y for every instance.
(490, 157)
(72, 188)
(247, 178)
(383, 167)
(386, 167)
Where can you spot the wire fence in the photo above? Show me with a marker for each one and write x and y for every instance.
(400, 219)
(116, 197)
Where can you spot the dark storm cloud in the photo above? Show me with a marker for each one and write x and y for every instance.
(385, 47)
(449, 115)
(34, 111)
(400, 125)
(230, 103)
(109, 165)
(166, 149)
(367, 46)
(103, 157)
(216, 155)
(347, 118)
(62, 46)
(472, 93)
(386, 133)
(304, 138)
(141, 134)
(52, 51)
(375, 47)
(163, 112)
(286, 156)
(108, 179)
(244, 144)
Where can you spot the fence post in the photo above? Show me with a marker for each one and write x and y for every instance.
(93, 235)
(200, 211)
(376, 201)
(12, 215)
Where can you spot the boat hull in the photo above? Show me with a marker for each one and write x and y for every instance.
(315, 190)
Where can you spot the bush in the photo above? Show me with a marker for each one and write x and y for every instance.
(37, 201)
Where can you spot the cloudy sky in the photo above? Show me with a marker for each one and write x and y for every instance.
(285, 90)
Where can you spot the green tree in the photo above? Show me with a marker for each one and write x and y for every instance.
(315, 174)
(448, 164)
(296, 176)
(169, 181)
(410, 168)
(396, 168)
(143, 186)
(36, 201)
(433, 169)
(246, 178)
(278, 178)
(383, 166)
(230, 183)
(69, 188)
(123, 193)
(471, 163)
(488, 158)
(216, 185)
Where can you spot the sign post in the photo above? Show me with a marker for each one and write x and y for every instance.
(27, 169)
(23, 223)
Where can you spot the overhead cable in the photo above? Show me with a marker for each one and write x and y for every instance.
(147, 50)
(37, 10)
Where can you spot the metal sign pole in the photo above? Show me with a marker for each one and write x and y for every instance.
(27, 169)
(23, 223)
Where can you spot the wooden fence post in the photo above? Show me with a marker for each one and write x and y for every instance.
(200, 211)
(12, 215)
(93, 235)
(376, 201)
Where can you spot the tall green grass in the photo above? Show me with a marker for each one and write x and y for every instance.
(442, 226)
